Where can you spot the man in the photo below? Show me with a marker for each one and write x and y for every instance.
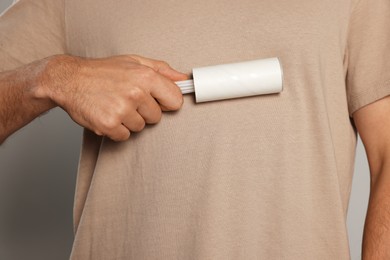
(265, 177)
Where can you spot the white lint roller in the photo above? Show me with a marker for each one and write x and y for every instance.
(243, 79)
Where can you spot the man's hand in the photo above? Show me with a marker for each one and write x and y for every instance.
(373, 124)
(111, 96)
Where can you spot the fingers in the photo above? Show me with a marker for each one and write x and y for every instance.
(167, 93)
(119, 133)
(150, 110)
(122, 131)
(165, 70)
(160, 82)
(134, 122)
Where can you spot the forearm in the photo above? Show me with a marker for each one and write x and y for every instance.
(376, 239)
(21, 97)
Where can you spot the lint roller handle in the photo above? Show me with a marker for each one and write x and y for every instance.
(235, 80)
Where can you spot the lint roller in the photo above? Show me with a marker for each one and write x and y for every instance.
(235, 80)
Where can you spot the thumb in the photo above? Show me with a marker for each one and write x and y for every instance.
(172, 74)
(162, 67)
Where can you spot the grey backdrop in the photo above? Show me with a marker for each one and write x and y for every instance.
(38, 168)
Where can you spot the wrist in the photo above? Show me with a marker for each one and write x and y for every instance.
(54, 78)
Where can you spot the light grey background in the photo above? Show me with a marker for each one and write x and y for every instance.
(38, 168)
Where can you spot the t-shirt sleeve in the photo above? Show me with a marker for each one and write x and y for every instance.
(31, 30)
(368, 53)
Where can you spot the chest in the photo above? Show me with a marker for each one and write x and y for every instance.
(204, 31)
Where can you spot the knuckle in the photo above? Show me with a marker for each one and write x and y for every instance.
(110, 123)
(148, 73)
(136, 94)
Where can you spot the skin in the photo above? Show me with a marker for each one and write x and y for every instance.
(111, 96)
(373, 124)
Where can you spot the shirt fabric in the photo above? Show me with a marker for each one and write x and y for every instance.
(264, 177)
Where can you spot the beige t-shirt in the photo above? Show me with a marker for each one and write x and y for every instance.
(265, 177)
